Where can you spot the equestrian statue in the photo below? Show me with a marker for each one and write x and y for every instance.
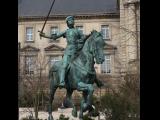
(76, 70)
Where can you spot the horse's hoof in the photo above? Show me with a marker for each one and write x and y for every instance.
(74, 113)
(85, 107)
(50, 117)
(80, 116)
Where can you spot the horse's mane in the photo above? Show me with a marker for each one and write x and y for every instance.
(93, 33)
(91, 39)
(88, 41)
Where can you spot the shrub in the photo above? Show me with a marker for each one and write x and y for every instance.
(123, 102)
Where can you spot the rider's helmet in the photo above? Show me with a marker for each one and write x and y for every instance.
(69, 17)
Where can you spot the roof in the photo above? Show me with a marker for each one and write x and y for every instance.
(40, 8)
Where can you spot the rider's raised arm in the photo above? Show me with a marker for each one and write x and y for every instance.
(44, 35)
(58, 35)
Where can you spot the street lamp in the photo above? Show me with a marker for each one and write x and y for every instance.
(19, 47)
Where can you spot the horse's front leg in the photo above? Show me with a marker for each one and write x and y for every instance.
(86, 103)
(69, 103)
(90, 95)
(83, 107)
(88, 89)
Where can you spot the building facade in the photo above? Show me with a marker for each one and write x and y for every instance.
(116, 19)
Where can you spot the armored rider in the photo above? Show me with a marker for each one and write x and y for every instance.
(75, 40)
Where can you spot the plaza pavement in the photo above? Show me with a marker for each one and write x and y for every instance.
(25, 112)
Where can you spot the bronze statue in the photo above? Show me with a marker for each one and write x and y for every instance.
(77, 66)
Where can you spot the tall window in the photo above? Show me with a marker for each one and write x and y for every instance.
(54, 30)
(54, 59)
(105, 32)
(29, 65)
(29, 34)
(106, 66)
(80, 28)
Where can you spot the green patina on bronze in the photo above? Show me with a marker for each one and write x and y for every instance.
(76, 70)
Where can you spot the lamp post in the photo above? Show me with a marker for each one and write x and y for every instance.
(19, 47)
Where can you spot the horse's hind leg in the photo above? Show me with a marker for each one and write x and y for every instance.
(51, 97)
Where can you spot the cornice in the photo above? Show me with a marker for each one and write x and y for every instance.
(62, 17)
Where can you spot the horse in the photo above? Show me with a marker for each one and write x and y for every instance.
(80, 75)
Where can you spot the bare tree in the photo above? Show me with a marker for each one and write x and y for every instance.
(33, 76)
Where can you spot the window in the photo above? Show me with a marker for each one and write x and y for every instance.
(105, 32)
(29, 65)
(54, 59)
(54, 30)
(80, 28)
(106, 66)
(29, 34)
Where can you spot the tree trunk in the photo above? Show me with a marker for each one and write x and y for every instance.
(36, 106)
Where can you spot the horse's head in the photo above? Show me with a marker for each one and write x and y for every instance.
(97, 46)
